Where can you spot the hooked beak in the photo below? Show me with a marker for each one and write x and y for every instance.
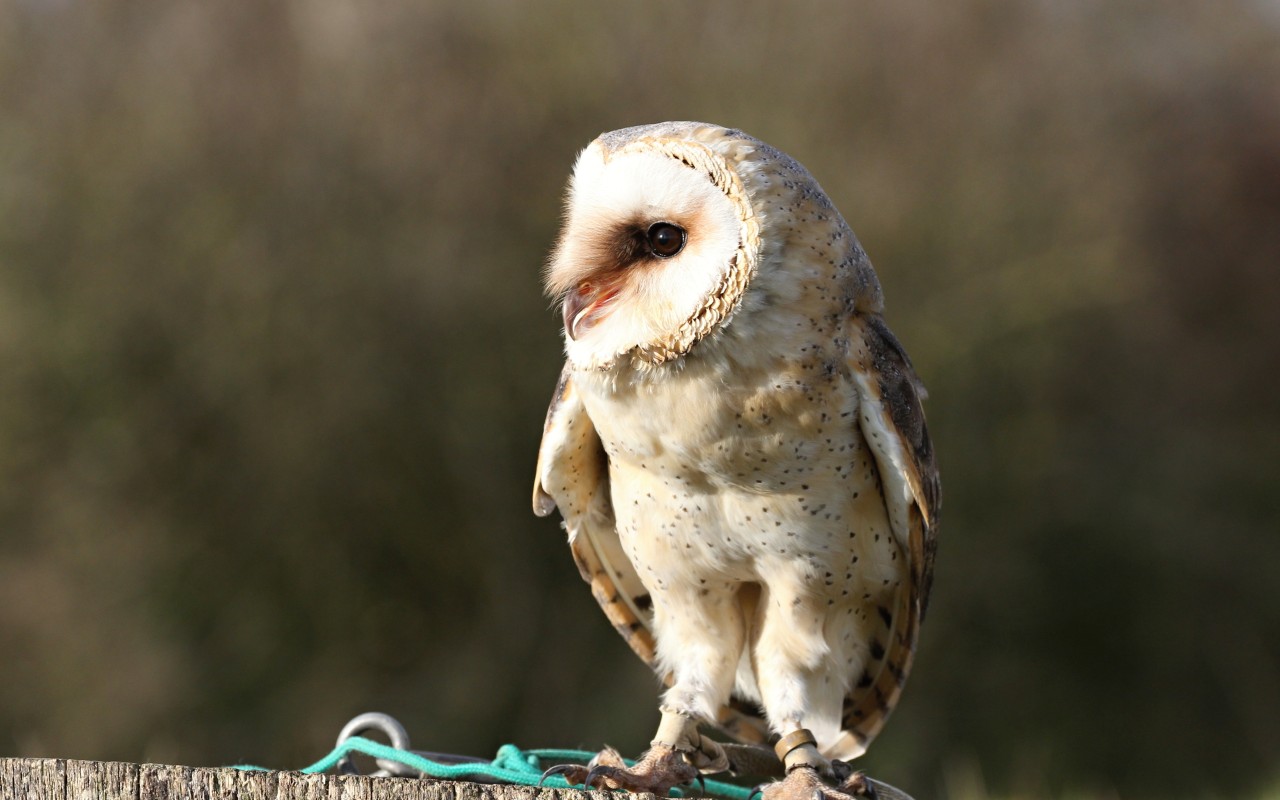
(586, 305)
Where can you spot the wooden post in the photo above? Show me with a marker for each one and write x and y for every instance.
(63, 779)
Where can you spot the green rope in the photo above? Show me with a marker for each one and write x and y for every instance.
(511, 765)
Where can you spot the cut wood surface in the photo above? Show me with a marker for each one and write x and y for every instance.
(64, 779)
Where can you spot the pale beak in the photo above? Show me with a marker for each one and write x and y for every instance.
(586, 305)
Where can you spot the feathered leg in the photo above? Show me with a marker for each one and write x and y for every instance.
(701, 634)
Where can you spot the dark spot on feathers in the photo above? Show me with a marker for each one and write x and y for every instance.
(896, 671)
(882, 702)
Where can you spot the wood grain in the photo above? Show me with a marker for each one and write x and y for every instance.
(62, 779)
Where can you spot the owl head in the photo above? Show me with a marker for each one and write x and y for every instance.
(671, 229)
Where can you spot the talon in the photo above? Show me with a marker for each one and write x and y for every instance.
(758, 789)
(702, 785)
(598, 772)
(566, 771)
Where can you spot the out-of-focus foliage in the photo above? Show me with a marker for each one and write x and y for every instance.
(274, 358)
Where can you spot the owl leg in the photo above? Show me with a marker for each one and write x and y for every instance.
(700, 635)
(797, 665)
(811, 776)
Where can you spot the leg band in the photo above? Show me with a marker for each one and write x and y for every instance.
(673, 730)
(800, 749)
(680, 733)
(797, 738)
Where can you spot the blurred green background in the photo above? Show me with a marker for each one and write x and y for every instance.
(274, 360)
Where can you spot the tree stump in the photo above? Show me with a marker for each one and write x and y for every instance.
(65, 779)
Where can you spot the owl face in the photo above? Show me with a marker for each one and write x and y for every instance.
(658, 245)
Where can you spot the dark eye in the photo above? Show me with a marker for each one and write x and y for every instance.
(665, 239)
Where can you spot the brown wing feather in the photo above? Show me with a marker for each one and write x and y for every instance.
(573, 475)
(890, 395)
(900, 393)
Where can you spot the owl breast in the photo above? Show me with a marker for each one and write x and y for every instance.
(753, 473)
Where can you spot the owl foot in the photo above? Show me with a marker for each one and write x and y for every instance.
(804, 783)
(659, 769)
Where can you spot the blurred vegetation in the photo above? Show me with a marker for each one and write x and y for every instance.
(274, 359)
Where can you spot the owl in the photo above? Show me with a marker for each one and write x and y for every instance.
(738, 450)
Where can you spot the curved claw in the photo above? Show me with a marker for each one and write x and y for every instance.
(572, 774)
(701, 791)
(757, 790)
(597, 773)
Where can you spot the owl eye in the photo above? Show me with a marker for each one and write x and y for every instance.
(665, 239)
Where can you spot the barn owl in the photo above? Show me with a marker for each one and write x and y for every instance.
(738, 451)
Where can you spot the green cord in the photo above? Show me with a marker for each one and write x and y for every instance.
(511, 765)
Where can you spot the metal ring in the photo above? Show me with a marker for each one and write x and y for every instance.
(797, 738)
(388, 726)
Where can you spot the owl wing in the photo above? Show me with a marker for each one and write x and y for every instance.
(892, 421)
(573, 476)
